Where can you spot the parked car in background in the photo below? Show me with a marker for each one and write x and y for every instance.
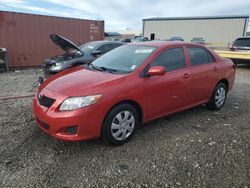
(116, 39)
(129, 86)
(175, 39)
(76, 55)
(127, 40)
(141, 39)
(240, 44)
(199, 40)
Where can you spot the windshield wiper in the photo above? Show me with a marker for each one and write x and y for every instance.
(102, 68)
(107, 69)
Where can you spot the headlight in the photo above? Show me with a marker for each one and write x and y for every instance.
(73, 103)
(59, 63)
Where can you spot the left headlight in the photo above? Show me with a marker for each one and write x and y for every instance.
(73, 103)
(59, 63)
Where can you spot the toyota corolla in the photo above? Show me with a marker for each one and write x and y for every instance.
(129, 86)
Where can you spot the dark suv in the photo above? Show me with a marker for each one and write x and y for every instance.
(76, 55)
(242, 43)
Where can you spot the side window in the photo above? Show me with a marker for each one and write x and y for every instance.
(105, 48)
(199, 56)
(171, 59)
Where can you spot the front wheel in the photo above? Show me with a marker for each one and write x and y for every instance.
(120, 124)
(218, 97)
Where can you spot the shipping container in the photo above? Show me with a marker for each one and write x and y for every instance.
(26, 36)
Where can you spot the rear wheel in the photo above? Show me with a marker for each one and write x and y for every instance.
(120, 124)
(218, 97)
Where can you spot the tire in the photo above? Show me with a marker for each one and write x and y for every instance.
(218, 97)
(120, 124)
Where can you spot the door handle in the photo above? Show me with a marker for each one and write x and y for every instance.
(186, 75)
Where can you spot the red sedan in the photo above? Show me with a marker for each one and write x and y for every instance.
(131, 85)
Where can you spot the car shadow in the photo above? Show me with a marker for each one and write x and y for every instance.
(173, 123)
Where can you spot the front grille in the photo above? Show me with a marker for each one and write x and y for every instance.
(49, 65)
(46, 101)
(45, 65)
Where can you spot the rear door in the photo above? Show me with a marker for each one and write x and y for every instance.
(170, 92)
(204, 74)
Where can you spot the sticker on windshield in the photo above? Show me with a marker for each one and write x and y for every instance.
(144, 51)
(91, 47)
(133, 67)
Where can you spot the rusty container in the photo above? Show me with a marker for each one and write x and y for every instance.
(26, 36)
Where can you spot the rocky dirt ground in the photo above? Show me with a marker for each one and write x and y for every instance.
(195, 148)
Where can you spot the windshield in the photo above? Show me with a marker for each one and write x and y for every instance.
(124, 59)
(242, 42)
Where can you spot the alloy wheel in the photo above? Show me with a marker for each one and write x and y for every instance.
(123, 125)
(220, 96)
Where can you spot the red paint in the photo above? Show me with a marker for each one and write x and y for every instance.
(156, 70)
(157, 96)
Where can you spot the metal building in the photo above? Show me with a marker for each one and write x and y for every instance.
(26, 36)
(218, 30)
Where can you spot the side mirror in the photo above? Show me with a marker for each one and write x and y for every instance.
(96, 53)
(156, 70)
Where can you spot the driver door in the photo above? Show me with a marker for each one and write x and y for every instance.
(169, 92)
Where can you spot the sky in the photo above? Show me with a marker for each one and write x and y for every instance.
(127, 14)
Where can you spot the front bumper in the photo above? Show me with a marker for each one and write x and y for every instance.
(51, 70)
(48, 71)
(88, 120)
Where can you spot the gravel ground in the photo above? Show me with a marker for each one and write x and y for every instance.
(195, 148)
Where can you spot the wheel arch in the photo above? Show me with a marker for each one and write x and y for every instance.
(224, 81)
(135, 104)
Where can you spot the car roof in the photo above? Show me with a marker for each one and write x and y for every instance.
(165, 43)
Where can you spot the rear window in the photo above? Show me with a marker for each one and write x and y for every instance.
(199, 56)
(242, 42)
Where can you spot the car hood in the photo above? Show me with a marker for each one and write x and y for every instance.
(78, 81)
(64, 43)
